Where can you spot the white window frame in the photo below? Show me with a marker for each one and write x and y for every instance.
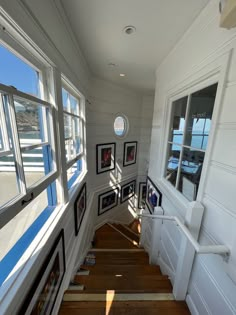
(182, 145)
(67, 85)
(22, 47)
(205, 75)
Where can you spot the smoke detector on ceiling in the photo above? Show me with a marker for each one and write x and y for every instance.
(130, 29)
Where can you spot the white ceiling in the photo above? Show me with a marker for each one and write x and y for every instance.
(98, 25)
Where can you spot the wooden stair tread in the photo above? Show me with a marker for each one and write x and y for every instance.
(126, 232)
(121, 272)
(124, 308)
(121, 269)
(108, 243)
(137, 283)
(123, 290)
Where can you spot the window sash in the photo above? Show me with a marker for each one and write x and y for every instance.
(15, 205)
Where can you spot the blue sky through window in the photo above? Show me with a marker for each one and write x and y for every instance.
(15, 72)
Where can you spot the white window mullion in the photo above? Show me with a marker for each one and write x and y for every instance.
(182, 146)
(5, 139)
(60, 144)
(16, 145)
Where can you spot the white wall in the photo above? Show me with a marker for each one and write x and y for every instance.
(106, 100)
(203, 48)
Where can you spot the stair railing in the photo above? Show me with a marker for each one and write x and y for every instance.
(180, 277)
(200, 249)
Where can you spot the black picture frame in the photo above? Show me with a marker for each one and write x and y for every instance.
(105, 157)
(142, 195)
(108, 200)
(127, 191)
(130, 153)
(43, 293)
(80, 208)
(153, 195)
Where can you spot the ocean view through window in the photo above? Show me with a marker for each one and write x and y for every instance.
(188, 136)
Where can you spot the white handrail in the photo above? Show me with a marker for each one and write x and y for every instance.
(200, 249)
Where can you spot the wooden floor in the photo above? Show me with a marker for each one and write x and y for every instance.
(120, 279)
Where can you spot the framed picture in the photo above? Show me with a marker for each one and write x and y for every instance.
(108, 200)
(142, 194)
(130, 151)
(79, 208)
(153, 195)
(105, 157)
(42, 295)
(127, 191)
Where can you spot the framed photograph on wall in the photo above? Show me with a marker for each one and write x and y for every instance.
(142, 195)
(108, 200)
(130, 152)
(79, 208)
(153, 195)
(43, 293)
(127, 191)
(105, 157)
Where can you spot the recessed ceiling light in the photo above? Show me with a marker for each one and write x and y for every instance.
(130, 29)
(122, 75)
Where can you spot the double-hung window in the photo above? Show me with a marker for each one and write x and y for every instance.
(28, 167)
(188, 137)
(74, 120)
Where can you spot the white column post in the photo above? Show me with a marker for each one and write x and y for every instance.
(156, 237)
(193, 221)
(144, 226)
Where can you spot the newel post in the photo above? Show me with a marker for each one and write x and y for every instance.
(156, 237)
(193, 221)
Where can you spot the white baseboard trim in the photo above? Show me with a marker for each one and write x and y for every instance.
(191, 305)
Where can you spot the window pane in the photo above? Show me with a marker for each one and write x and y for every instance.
(73, 173)
(67, 126)
(74, 105)
(120, 126)
(191, 168)
(200, 116)
(70, 153)
(37, 164)
(178, 120)
(172, 163)
(65, 100)
(17, 73)
(29, 119)
(8, 179)
(72, 136)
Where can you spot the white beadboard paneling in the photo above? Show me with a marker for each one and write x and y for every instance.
(216, 218)
(169, 247)
(165, 257)
(225, 142)
(113, 93)
(211, 292)
(221, 187)
(197, 303)
(174, 233)
(228, 107)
